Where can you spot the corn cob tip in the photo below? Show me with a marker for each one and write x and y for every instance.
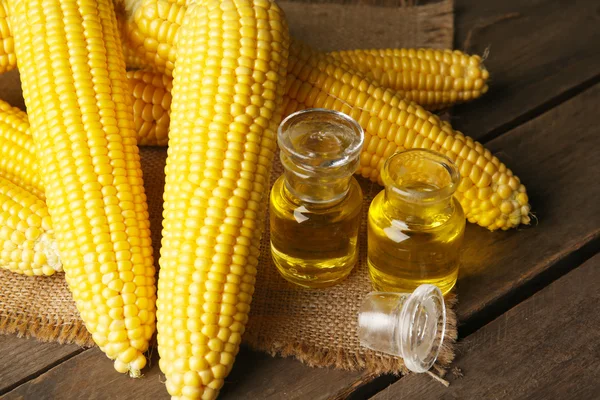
(506, 205)
(133, 368)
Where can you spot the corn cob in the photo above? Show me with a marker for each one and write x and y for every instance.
(151, 104)
(17, 158)
(74, 84)
(227, 91)
(489, 192)
(429, 77)
(27, 244)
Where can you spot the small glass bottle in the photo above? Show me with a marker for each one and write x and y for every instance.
(315, 205)
(415, 225)
(408, 325)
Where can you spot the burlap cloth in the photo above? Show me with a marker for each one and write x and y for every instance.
(315, 326)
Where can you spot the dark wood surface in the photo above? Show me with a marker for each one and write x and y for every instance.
(23, 359)
(547, 347)
(540, 118)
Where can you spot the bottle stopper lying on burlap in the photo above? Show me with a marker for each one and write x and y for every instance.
(408, 325)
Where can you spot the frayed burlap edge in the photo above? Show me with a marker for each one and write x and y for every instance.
(372, 362)
(71, 332)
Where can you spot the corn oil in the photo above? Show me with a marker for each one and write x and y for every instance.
(415, 226)
(315, 205)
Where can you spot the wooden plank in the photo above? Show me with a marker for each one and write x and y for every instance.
(547, 347)
(556, 156)
(23, 358)
(531, 59)
(255, 375)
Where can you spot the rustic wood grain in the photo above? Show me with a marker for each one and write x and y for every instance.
(22, 358)
(556, 156)
(538, 50)
(547, 347)
(255, 376)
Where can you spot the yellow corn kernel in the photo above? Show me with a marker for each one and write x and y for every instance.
(227, 92)
(86, 146)
(26, 246)
(151, 105)
(426, 76)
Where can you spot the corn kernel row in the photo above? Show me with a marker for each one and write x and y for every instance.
(8, 60)
(429, 77)
(151, 104)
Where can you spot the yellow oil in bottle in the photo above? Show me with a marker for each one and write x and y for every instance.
(314, 245)
(415, 227)
(315, 205)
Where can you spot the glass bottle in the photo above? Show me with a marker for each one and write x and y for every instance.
(408, 325)
(315, 205)
(415, 225)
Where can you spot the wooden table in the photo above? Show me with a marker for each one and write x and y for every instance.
(529, 298)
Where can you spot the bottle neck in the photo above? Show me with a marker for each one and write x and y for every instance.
(419, 212)
(418, 187)
(322, 186)
(320, 150)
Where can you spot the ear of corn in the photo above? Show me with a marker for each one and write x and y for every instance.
(429, 77)
(151, 103)
(227, 91)
(490, 194)
(80, 110)
(27, 244)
